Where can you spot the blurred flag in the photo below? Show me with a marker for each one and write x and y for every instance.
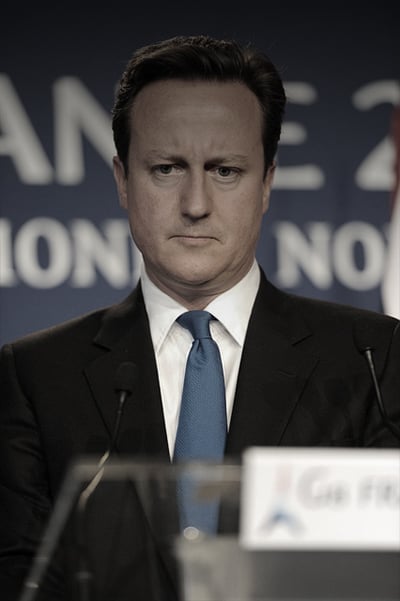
(391, 276)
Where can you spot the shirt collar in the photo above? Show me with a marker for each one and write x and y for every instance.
(232, 308)
(162, 310)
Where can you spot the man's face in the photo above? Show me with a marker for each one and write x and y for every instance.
(195, 190)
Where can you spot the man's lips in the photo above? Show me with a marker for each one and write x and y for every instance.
(193, 237)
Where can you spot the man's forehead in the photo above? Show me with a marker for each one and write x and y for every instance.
(194, 92)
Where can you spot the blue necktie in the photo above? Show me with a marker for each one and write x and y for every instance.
(202, 425)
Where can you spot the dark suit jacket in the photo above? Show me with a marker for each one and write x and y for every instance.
(302, 382)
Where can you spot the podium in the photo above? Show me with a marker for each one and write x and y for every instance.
(115, 535)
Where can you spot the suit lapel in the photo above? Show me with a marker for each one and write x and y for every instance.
(125, 336)
(273, 372)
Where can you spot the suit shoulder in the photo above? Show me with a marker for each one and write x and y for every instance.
(340, 321)
(78, 328)
(83, 327)
(72, 332)
(325, 319)
(325, 309)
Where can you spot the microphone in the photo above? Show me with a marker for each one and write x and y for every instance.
(125, 379)
(363, 335)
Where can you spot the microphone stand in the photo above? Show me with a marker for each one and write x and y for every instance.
(366, 339)
(387, 421)
(126, 375)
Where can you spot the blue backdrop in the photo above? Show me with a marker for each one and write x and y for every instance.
(64, 242)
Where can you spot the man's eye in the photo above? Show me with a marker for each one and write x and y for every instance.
(227, 172)
(224, 171)
(164, 169)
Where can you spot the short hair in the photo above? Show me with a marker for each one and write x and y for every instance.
(201, 58)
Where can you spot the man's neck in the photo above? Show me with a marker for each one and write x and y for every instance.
(190, 296)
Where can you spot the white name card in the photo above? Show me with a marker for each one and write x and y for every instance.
(314, 498)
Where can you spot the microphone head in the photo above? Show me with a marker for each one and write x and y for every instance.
(125, 377)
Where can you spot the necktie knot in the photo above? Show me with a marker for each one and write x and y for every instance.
(197, 322)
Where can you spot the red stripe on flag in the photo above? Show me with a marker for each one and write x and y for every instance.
(391, 276)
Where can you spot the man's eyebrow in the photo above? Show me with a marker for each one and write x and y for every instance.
(160, 155)
(228, 158)
(233, 159)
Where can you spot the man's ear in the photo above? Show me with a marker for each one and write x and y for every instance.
(121, 181)
(267, 185)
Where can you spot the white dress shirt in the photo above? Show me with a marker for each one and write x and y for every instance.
(172, 342)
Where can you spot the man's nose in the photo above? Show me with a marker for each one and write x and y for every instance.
(196, 201)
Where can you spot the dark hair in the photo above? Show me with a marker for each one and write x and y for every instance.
(204, 58)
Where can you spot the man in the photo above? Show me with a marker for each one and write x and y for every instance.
(196, 125)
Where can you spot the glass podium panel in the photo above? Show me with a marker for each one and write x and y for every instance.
(116, 535)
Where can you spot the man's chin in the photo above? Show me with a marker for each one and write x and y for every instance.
(194, 278)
